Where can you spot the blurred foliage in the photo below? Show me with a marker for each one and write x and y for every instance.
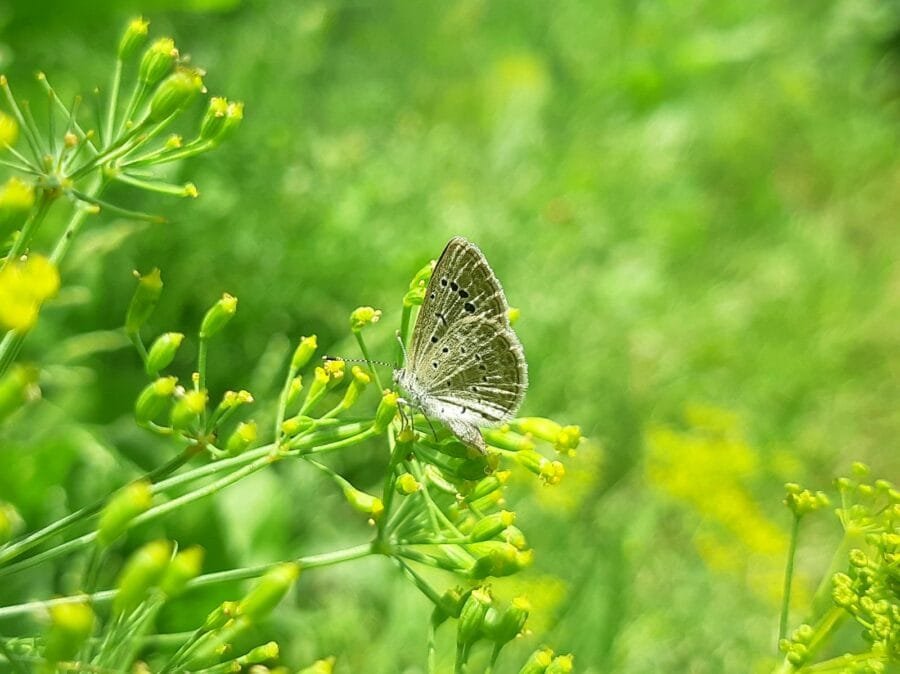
(692, 204)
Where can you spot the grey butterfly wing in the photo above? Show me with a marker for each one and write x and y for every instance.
(462, 285)
(480, 378)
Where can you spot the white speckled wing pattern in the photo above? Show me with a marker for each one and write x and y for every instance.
(465, 366)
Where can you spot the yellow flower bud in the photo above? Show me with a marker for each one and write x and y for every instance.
(154, 399)
(407, 484)
(134, 37)
(17, 388)
(362, 317)
(270, 590)
(304, 351)
(24, 286)
(188, 408)
(218, 316)
(142, 571)
(163, 351)
(185, 566)
(538, 661)
(123, 507)
(244, 435)
(70, 627)
(387, 410)
(157, 61)
(144, 301)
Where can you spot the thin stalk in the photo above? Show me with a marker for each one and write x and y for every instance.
(35, 168)
(165, 155)
(788, 578)
(112, 208)
(75, 223)
(15, 549)
(20, 118)
(76, 127)
(308, 562)
(29, 228)
(202, 353)
(282, 403)
(365, 353)
(16, 166)
(113, 98)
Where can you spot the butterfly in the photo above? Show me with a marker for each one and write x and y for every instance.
(464, 366)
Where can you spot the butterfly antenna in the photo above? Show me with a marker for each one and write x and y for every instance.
(359, 360)
(402, 347)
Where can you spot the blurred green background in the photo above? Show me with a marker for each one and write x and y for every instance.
(693, 204)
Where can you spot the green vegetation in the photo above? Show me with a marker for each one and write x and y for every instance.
(693, 207)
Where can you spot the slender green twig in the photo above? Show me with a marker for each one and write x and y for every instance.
(307, 562)
(113, 98)
(32, 141)
(30, 227)
(16, 548)
(788, 578)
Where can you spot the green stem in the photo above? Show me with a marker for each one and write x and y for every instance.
(79, 131)
(365, 353)
(29, 228)
(20, 118)
(308, 562)
(75, 223)
(282, 403)
(788, 578)
(15, 549)
(113, 99)
(112, 208)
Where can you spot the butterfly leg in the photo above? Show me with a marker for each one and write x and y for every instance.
(468, 433)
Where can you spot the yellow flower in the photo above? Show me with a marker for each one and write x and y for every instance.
(24, 286)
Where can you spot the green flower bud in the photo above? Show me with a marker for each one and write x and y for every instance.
(270, 590)
(144, 301)
(142, 571)
(10, 522)
(471, 618)
(220, 616)
(185, 566)
(218, 316)
(491, 525)
(513, 314)
(363, 502)
(362, 317)
(244, 435)
(231, 400)
(562, 664)
(154, 399)
(187, 409)
(496, 558)
(214, 118)
(567, 440)
(9, 130)
(134, 37)
(488, 485)
(407, 484)
(416, 293)
(17, 387)
(449, 605)
(175, 93)
(16, 199)
(387, 410)
(504, 626)
(538, 661)
(234, 115)
(304, 351)
(360, 380)
(318, 389)
(260, 654)
(294, 391)
(504, 439)
(325, 666)
(70, 627)
(157, 61)
(550, 472)
(126, 504)
(163, 351)
(515, 537)
(296, 425)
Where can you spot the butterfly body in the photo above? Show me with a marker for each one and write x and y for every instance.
(465, 366)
